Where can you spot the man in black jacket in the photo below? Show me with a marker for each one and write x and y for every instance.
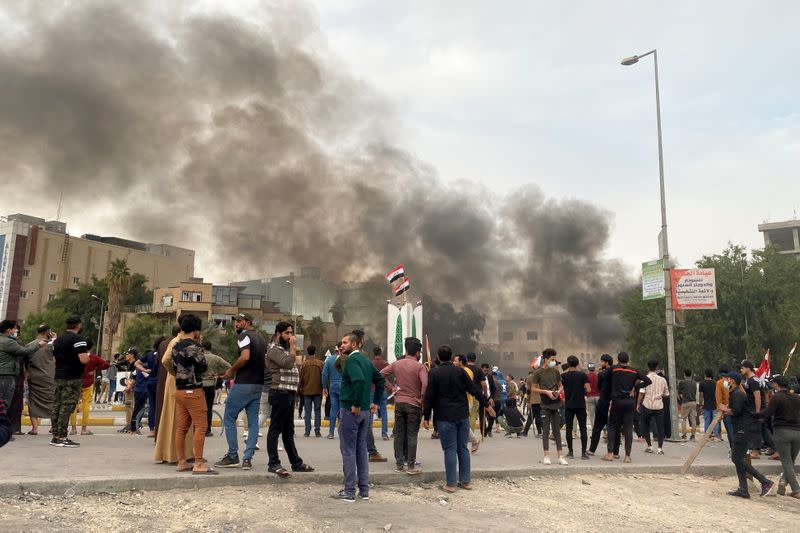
(744, 427)
(603, 402)
(625, 381)
(447, 391)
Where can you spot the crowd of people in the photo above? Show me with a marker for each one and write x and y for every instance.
(179, 380)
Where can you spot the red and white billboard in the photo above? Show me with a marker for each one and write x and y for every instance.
(694, 288)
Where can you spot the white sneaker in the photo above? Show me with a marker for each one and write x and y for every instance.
(546, 460)
(660, 451)
(562, 461)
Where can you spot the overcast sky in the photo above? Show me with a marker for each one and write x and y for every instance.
(515, 92)
(506, 93)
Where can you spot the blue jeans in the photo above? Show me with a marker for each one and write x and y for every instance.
(353, 445)
(315, 399)
(335, 388)
(384, 416)
(152, 386)
(112, 388)
(708, 417)
(242, 397)
(454, 437)
(728, 428)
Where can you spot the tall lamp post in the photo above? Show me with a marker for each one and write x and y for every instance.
(669, 313)
(294, 311)
(99, 331)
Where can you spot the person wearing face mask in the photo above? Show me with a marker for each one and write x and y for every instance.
(546, 382)
(187, 362)
(245, 395)
(625, 381)
(11, 353)
(744, 430)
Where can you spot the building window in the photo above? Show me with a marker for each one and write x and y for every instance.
(53, 277)
(51, 297)
(508, 356)
(26, 273)
(185, 296)
(197, 296)
(23, 295)
(76, 280)
(533, 336)
(508, 335)
(166, 301)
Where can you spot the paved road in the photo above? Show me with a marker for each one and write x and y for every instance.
(115, 462)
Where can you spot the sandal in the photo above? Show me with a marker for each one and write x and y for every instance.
(465, 486)
(87, 432)
(447, 488)
(32, 432)
(184, 468)
(280, 471)
(303, 468)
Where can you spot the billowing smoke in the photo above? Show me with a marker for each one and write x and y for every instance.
(239, 137)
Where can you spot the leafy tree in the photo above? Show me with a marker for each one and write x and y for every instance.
(55, 318)
(80, 302)
(223, 341)
(138, 293)
(758, 303)
(338, 313)
(141, 332)
(444, 324)
(315, 329)
(118, 280)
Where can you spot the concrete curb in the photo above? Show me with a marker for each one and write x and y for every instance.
(71, 487)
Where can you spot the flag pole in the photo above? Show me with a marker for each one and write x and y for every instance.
(789, 360)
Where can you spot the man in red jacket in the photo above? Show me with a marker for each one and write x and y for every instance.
(87, 391)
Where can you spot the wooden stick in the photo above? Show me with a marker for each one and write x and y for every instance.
(714, 423)
(789, 360)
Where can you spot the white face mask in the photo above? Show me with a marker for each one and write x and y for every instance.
(551, 364)
(14, 335)
(726, 384)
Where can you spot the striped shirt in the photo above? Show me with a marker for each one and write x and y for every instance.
(655, 393)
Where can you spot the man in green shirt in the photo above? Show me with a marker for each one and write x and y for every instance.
(546, 381)
(358, 376)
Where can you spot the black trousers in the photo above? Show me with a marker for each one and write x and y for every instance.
(656, 415)
(140, 399)
(571, 414)
(742, 464)
(282, 424)
(209, 392)
(600, 422)
(621, 420)
(534, 415)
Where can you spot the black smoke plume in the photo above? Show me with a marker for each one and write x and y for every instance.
(240, 138)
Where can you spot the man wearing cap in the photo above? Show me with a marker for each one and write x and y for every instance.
(11, 351)
(245, 394)
(784, 409)
(71, 352)
(744, 428)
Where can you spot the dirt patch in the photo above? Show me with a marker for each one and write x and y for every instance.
(577, 503)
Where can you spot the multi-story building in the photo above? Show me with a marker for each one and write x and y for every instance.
(785, 236)
(521, 340)
(39, 258)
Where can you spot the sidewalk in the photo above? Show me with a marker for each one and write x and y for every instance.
(112, 462)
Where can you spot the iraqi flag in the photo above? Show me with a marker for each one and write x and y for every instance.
(764, 371)
(403, 287)
(536, 362)
(395, 274)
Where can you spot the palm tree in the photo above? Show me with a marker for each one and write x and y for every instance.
(316, 331)
(337, 312)
(118, 280)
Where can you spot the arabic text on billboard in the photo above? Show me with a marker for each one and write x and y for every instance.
(653, 280)
(694, 288)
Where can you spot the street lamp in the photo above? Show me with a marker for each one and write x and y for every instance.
(294, 311)
(99, 331)
(669, 314)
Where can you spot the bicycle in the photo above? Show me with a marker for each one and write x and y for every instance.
(142, 420)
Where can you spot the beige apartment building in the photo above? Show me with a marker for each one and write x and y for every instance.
(39, 258)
